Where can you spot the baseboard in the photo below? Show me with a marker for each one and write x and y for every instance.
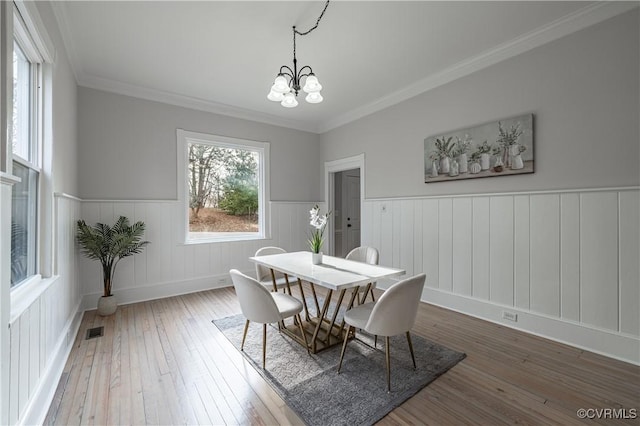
(610, 344)
(36, 411)
(162, 290)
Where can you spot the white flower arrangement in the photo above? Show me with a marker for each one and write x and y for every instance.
(319, 222)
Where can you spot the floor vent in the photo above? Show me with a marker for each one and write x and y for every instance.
(95, 332)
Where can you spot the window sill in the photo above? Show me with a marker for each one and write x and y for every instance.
(222, 237)
(28, 292)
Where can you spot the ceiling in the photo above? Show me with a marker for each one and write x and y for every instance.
(223, 56)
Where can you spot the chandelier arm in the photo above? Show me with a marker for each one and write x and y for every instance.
(315, 26)
(288, 72)
(302, 74)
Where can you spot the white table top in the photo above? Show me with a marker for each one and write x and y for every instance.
(334, 273)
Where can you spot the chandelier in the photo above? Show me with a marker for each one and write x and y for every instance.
(289, 81)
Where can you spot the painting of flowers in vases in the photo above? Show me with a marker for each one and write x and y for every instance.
(498, 148)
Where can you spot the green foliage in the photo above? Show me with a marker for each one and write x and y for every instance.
(109, 244)
(240, 199)
(445, 147)
(509, 137)
(485, 148)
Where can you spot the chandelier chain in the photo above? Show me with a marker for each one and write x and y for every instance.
(317, 22)
(310, 29)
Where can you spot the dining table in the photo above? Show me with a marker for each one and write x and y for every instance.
(337, 276)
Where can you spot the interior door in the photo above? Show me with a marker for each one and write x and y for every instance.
(351, 211)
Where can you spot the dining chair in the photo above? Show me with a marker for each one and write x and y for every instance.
(367, 255)
(263, 274)
(394, 313)
(262, 306)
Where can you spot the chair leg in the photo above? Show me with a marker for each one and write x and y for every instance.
(244, 335)
(264, 345)
(411, 350)
(344, 347)
(375, 341)
(388, 358)
(304, 336)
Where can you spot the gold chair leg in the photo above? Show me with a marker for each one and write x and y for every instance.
(344, 346)
(388, 357)
(411, 350)
(264, 345)
(244, 335)
(304, 336)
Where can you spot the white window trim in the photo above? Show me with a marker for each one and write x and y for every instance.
(31, 34)
(184, 137)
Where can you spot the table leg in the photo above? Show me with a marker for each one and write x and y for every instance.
(275, 288)
(315, 299)
(304, 301)
(349, 306)
(325, 307)
(335, 314)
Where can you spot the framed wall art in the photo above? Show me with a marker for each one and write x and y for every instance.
(498, 148)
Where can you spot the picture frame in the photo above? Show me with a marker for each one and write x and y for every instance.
(497, 148)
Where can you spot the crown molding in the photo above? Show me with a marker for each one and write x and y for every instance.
(192, 103)
(559, 28)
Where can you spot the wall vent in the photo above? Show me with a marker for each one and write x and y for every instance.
(95, 332)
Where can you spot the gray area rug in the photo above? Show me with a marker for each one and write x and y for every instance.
(358, 395)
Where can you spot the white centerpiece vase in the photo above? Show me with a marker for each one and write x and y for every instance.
(316, 258)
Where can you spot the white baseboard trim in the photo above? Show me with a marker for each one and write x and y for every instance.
(38, 407)
(162, 290)
(610, 344)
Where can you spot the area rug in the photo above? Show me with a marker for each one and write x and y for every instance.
(310, 385)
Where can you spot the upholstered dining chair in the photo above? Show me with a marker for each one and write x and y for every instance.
(263, 274)
(367, 255)
(264, 307)
(394, 313)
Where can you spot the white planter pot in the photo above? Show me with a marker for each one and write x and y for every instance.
(107, 305)
(485, 161)
(444, 165)
(517, 162)
(434, 169)
(316, 258)
(463, 163)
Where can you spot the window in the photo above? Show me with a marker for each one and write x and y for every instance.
(224, 187)
(25, 143)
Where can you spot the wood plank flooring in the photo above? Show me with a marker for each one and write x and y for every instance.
(163, 362)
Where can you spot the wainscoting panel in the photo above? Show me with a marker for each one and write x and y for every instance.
(462, 245)
(565, 256)
(41, 333)
(168, 266)
(629, 270)
(599, 265)
(544, 240)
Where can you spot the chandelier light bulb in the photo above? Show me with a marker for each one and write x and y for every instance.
(289, 101)
(312, 84)
(280, 85)
(275, 96)
(314, 98)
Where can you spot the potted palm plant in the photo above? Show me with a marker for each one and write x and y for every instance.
(109, 244)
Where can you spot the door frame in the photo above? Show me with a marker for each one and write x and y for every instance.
(330, 169)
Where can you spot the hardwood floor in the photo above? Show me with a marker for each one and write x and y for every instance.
(163, 362)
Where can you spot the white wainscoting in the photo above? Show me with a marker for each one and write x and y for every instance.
(566, 262)
(169, 267)
(42, 332)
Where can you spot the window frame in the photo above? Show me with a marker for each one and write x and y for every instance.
(185, 137)
(22, 37)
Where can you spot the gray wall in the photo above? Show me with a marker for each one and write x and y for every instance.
(127, 148)
(64, 93)
(583, 90)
